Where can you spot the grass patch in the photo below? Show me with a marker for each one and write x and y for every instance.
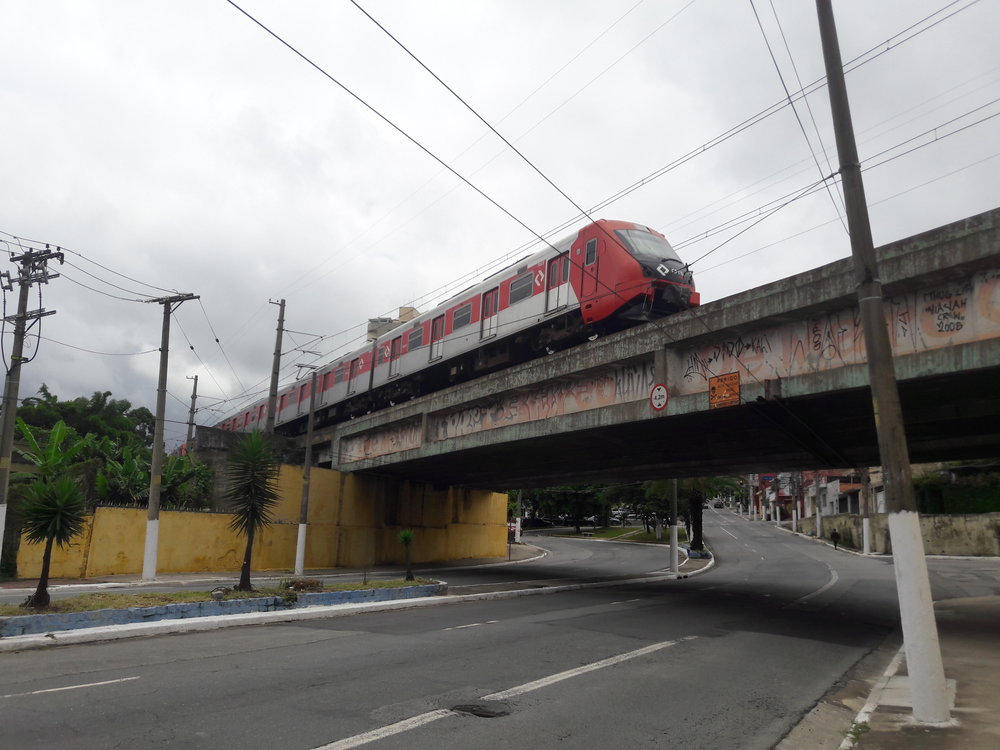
(113, 600)
(651, 537)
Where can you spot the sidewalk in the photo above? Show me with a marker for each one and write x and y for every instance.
(969, 631)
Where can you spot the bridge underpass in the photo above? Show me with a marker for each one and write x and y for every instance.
(789, 356)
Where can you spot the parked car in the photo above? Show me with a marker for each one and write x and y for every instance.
(718, 504)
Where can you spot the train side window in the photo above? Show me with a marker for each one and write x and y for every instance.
(437, 335)
(395, 351)
(329, 379)
(521, 287)
(565, 266)
(462, 317)
(416, 339)
(284, 402)
(591, 252)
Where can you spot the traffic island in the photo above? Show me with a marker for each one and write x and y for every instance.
(59, 621)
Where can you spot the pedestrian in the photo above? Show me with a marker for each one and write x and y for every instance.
(835, 538)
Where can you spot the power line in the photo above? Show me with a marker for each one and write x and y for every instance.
(823, 174)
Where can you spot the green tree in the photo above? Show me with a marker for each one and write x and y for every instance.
(99, 414)
(56, 453)
(405, 538)
(124, 479)
(52, 512)
(252, 493)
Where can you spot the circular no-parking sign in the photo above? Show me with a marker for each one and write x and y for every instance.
(658, 397)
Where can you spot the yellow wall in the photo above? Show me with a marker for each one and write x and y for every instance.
(353, 522)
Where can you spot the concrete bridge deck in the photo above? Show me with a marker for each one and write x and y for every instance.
(789, 355)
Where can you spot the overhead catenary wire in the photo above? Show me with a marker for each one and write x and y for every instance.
(791, 104)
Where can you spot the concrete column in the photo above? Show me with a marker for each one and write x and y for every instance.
(675, 567)
(777, 515)
(916, 608)
(819, 522)
(866, 535)
(795, 520)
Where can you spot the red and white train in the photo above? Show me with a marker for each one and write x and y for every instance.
(607, 276)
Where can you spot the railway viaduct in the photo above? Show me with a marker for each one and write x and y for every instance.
(773, 378)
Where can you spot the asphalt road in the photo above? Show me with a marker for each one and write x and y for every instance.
(729, 659)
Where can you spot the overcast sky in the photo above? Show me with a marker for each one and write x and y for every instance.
(179, 147)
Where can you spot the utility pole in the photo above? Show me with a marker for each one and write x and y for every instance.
(300, 545)
(272, 394)
(33, 270)
(156, 463)
(675, 567)
(194, 398)
(920, 637)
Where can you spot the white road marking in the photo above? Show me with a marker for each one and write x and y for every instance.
(552, 679)
(398, 728)
(69, 687)
(472, 625)
(729, 532)
(418, 721)
(820, 590)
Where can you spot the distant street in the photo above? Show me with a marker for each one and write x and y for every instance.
(729, 659)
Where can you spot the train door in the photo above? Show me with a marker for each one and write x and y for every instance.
(352, 377)
(437, 337)
(303, 402)
(590, 258)
(557, 290)
(394, 354)
(491, 300)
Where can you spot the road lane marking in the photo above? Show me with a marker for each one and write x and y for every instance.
(820, 590)
(388, 731)
(70, 687)
(610, 661)
(729, 532)
(471, 625)
(426, 718)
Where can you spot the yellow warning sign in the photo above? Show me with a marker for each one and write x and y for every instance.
(724, 390)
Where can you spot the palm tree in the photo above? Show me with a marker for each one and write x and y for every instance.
(253, 473)
(406, 539)
(52, 511)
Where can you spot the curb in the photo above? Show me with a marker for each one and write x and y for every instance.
(216, 622)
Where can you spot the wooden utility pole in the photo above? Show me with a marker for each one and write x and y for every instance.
(300, 546)
(156, 463)
(272, 393)
(920, 638)
(194, 399)
(33, 270)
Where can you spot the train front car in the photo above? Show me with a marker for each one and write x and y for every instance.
(629, 273)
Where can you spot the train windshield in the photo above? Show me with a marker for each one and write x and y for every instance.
(646, 246)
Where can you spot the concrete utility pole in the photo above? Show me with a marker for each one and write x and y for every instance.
(156, 462)
(272, 393)
(920, 638)
(33, 270)
(674, 551)
(300, 545)
(866, 510)
(194, 399)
